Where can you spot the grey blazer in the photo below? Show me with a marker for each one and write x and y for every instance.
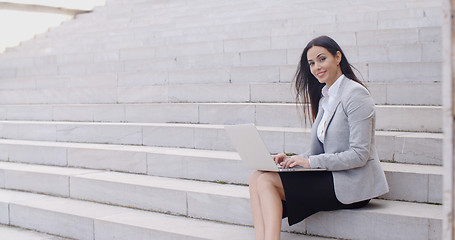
(349, 145)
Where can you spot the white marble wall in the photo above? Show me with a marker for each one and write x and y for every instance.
(448, 38)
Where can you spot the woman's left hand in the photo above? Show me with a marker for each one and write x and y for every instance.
(295, 161)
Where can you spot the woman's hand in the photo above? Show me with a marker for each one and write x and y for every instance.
(279, 158)
(294, 161)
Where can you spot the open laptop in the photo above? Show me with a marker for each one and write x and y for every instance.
(252, 150)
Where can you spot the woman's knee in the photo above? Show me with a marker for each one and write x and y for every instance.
(253, 181)
(270, 180)
(267, 179)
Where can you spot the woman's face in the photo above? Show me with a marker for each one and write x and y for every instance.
(323, 65)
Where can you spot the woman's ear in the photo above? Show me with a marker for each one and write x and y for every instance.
(338, 57)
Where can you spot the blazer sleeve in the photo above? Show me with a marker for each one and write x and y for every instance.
(359, 108)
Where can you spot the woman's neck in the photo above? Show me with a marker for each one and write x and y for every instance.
(329, 84)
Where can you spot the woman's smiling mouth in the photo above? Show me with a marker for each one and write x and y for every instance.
(321, 74)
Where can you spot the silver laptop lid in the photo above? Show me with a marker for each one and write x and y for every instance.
(251, 148)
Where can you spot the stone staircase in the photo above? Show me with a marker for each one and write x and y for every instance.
(111, 125)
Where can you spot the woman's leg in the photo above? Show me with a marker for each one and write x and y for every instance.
(266, 193)
(256, 209)
(270, 191)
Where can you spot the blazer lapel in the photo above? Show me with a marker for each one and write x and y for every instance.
(319, 115)
(316, 147)
(335, 104)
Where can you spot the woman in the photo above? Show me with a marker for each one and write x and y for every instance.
(342, 141)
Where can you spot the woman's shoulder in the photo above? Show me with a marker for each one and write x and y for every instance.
(353, 88)
(355, 93)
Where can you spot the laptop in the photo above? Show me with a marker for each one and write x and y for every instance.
(252, 150)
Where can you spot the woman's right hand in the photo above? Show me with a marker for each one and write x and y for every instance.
(279, 158)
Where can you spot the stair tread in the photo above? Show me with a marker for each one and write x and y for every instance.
(215, 126)
(85, 208)
(133, 179)
(200, 103)
(229, 155)
(9, 232)
(176, 183)
(137, 218)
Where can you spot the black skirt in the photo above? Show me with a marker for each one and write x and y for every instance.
(310, 192)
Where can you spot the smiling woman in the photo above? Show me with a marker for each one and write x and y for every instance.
(21, 20)
(342, 142)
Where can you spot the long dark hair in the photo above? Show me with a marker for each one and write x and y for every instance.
(307, 86)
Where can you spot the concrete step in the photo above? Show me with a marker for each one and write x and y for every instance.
(87, 220)
(378, 29)
(208, 201)
(246, 48)
(188, 197)
(372, 20)
(247, 85)
(196, 63)
(239, 39)
(403, 147)
(193, 59)
(403, 182)
(10, 232)
(371, 16)
(225, 11)
(398, 215)
(39, 178)
(406, 93)
(388, 117)
(408, 182)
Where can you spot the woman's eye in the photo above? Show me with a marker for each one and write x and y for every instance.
(311, 63)
(322, 59)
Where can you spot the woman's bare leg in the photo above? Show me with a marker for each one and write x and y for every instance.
(256, 209)
(271, 192)
(266, 193)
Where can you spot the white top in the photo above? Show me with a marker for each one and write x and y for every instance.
(328, 96)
